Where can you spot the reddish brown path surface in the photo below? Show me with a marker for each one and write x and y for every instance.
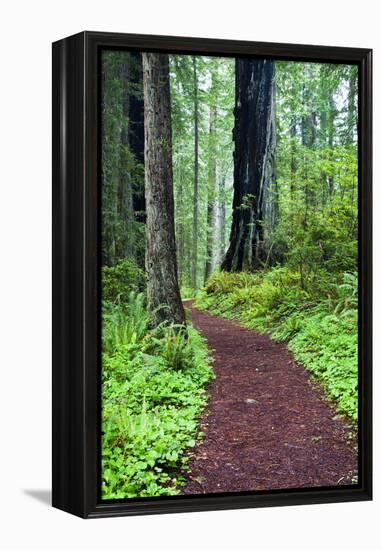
(267, 424)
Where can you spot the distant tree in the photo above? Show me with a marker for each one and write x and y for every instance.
(212, 207)
(122, 158)
(136, 132)
(196, 172)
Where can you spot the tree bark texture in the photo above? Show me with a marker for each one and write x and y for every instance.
(195, 183)
(212, 211)
(254, 138)
(222, 216)
(136, 129)
(293, 163)
(352, 110)
(163, 295)
(179, 227)
(124, 244)
(332, 117)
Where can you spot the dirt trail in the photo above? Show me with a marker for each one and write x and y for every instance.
(267, 423)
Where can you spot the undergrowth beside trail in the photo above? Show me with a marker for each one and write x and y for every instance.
(319, 322)
(152, 395)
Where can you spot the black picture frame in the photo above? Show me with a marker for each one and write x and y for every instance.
(76, 267)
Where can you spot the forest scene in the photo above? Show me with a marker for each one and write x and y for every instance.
(229, 274)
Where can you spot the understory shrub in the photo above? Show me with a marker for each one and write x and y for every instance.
(119, 280)
(319, 321)
(152, 395)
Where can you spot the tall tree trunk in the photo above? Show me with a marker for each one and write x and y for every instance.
(195, 183)
(212, 196)
(293, 163)
(270, 191)
(215, 251)
(331, 130)
(179, 221)
(352, 110)
(124, 244)
(136, 132)
(309, 120)
(208, 262)
(163, 295)
(111, 155)
(308, 127)
(222, 219)
(253, 156)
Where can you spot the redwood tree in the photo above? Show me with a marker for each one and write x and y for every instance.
(136, 131)
(163, 295)
(254, 138)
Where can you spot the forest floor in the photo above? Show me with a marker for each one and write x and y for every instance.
(267, 424)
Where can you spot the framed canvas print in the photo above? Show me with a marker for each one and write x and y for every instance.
(212, 274)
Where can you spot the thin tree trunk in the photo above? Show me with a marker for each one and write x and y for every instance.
(222, 219)
(110, 158)
(136, 132)
(208, 264)
(163, 295)
(253, 156)
(212, 196)
(309, 122)
(270, 192)
(331, 129)
(293, 163)
(215, 251)
(125, 245)
(195, 183)
(179, 221)
(352, 110)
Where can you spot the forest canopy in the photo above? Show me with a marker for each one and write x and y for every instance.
(310, 220)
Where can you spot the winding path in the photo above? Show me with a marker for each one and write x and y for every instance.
(267, 425)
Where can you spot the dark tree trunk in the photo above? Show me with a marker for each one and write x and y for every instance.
(124, 243)
(136, 131)
(195, 183)
(293, 163)
(110, 159)
(163, 295)
(309, 130)
(253, 157)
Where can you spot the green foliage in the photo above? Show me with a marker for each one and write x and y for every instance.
(122, 171)
(124, 324)
(187, 293)
(153, 392)
(153, 380)
(215, 77)
(319, 322)
(118, 281)
(174, 347)
(315, 199)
